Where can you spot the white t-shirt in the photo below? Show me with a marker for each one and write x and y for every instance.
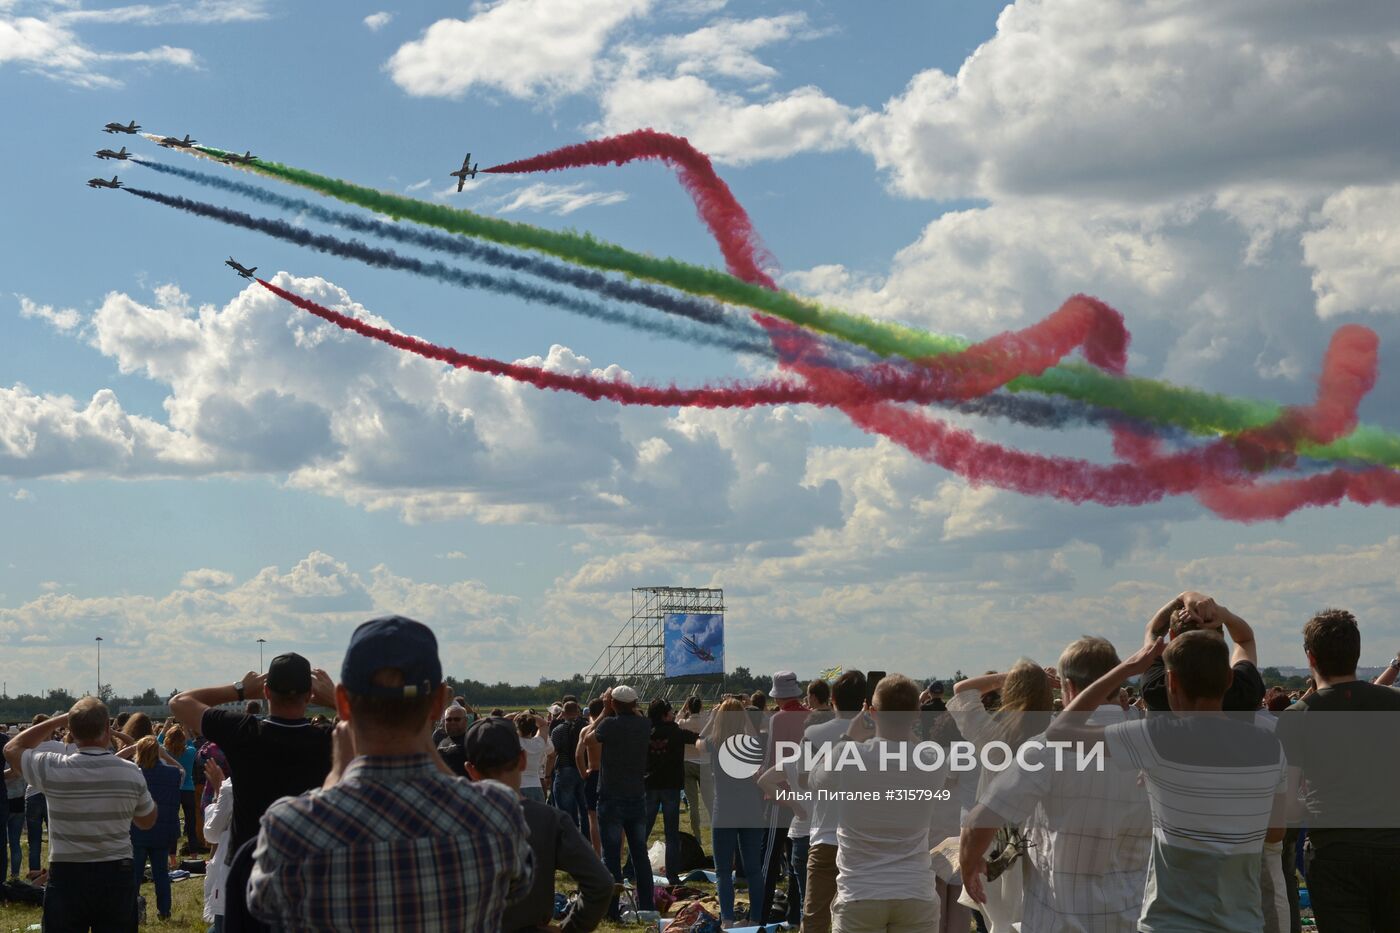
(52, 745)
(91, 796)
(822, 815)
(882, 845)
(535, 748)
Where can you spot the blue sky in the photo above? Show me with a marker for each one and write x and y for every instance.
(1226, 183)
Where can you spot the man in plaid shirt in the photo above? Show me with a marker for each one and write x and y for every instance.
(393, 840)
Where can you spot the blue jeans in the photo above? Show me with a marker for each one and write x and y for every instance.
(96, 896)
(14, 829)
(749, 844)
(533, 793)
(800, 847)
(36, 811)
(619, 816)
(669, 802)
(160, 873)
(568, 796)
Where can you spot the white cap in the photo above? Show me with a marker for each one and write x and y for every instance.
(624, 694)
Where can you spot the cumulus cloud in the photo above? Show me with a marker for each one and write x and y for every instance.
(1148, 101)
(727, 125)
(526, 48)
(1353, 251)
(47, 42)
(555, 199)
(60, 319)
(258, 388)
(211, 622)
(377, 21)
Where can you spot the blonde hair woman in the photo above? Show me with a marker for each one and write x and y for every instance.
(1026, 699)
(163, 778)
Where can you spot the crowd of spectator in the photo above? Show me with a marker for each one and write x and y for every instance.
(408, 810)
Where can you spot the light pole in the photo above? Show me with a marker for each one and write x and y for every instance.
(99, 667)
(261, 642)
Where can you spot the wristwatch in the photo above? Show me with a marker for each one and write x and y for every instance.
(239, 687)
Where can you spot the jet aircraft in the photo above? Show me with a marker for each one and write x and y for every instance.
(119, 155)
(466, 171)
(104, 183)
(174, 142)
(130, 128)
(241, 269)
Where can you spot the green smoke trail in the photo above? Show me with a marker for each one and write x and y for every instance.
(1201, 413)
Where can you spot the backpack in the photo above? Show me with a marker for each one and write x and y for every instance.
(694, 918)
(691, 855)
(22, 892)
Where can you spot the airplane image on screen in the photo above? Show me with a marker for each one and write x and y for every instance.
(467, 170)
(131, 128)
(120, 154)
(703, 654)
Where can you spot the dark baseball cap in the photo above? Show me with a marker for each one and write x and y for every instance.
(397, 642)
(492, 743)
(289, 673)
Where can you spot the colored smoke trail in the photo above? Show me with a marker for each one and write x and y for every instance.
(705, 311)
(1256, 501)
(1043, 413)
(1143, 399)
(1217, 472)
(384, 258)
(721, 212)
(731, 395)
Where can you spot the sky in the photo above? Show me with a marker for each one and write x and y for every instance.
(188, 465)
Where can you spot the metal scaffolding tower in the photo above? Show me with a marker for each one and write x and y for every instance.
(637, 655)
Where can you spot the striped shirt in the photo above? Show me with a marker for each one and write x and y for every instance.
(92, 796)
(1211, 781)
(1090, 835)
(394, 845)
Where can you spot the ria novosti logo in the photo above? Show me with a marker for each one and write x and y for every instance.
(741, 756)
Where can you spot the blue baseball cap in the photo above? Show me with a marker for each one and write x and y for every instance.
(397, 642)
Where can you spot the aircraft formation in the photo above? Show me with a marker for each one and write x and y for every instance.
(468, 170)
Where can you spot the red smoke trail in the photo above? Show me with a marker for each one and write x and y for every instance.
(957, 376)
(743, 251)
(1218, 472)
(591, 387)
(1252, 501)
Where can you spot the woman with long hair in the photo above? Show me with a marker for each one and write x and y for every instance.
(163, 778)
(735, 799)
(1025, 701)
(184, 752)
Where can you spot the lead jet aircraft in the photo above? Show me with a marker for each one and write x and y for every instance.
(104, 183)
(241, 269)
(467, 170)
(131, 128)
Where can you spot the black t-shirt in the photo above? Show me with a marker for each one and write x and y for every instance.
(453, 752)
(270, 758)
(626, 741)
(1349, 763)
(564, 738)
(666, 756)
(1245, 694)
